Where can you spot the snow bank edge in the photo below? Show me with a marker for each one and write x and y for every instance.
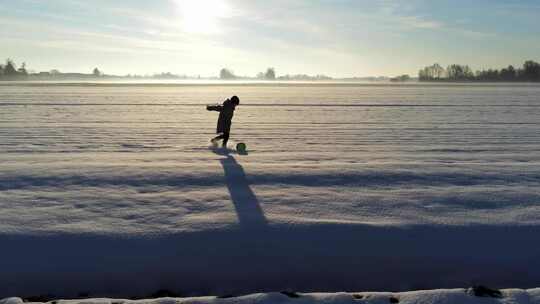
(463, 296)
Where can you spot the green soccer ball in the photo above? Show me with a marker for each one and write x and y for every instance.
(241, 147)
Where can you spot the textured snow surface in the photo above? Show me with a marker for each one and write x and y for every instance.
(345, 187)
(442, 296)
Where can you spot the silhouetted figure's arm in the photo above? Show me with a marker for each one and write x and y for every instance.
(217, 108)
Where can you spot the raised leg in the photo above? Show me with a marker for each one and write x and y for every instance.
(221, 136)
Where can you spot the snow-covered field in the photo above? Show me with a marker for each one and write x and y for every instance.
(114, 189)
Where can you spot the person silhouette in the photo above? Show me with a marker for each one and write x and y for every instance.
(226, 112)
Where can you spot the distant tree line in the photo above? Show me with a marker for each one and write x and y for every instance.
(303, 77)
(9, 71)
(401, 78)
(530, 71)
(270, 74)
(227, 74)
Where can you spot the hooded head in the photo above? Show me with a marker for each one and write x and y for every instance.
(235, 100)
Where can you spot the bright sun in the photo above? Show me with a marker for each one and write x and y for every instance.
(201, 16)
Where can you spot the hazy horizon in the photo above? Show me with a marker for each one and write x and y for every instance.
(335, 38)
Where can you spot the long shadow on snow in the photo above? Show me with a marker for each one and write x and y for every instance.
(260, 257)
(247, 206)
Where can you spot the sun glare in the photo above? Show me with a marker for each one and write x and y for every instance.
(201, 16)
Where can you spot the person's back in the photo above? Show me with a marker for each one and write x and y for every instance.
(225, 117)
(226, 113)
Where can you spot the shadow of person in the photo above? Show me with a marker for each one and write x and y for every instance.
(247, 206)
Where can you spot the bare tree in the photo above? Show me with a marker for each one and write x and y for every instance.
(270, 74)
(97, 73)
(226, 74)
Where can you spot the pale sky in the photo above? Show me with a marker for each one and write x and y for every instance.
(339, 38)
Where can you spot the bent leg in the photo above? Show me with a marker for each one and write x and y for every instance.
(221, 136)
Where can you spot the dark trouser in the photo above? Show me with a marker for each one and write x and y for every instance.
(225, 137)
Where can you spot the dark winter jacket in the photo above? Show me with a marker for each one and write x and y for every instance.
(226, 112)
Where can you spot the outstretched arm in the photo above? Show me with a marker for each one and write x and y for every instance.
(217, 108)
